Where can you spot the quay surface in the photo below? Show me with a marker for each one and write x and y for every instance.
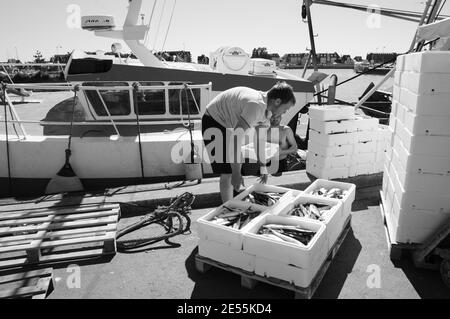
(162, 272)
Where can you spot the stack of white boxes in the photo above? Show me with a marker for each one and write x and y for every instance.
(266, 257)
(416, 181)
(344, 144)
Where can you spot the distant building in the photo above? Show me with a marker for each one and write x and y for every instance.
(294, 58)
(60, 58)
(378, 58)
(327, 58)
(358, 58)
(347, 59)
(275, 57)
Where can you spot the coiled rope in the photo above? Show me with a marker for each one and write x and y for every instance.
(173, 218)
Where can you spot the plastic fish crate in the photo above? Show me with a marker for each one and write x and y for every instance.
(348, 199)
(326, 173)
(331, 151)
(427, 62)
(288, 194)
(306, 257)
(328, 162)
(209, 231)
(332, 112)
(331, 127)
(226, 255)
(333, 220)
(423, 145)
(425, 104)
(332, 139)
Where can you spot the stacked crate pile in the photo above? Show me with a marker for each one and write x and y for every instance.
(343, 143)
(269, 256)
(416, 181)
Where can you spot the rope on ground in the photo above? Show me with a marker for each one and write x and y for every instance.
(173, 218)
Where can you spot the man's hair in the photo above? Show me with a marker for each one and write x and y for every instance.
(282, 91)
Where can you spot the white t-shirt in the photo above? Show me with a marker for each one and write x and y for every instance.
(239, 102)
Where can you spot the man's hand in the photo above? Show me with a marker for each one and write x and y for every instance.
(263, 179)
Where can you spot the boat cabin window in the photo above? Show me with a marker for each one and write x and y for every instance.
(117, 101)
(151, 101)
(174, 100)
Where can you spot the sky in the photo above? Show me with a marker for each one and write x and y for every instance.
(202, 26)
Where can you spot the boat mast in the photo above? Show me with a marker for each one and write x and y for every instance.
(307, 4)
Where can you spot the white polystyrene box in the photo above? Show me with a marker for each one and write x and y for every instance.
(362, 158)
(348, 199)
(400, 112)
(226, 255)
(330, 127)
(427, 125)
(366, 123)
(332, 139)
(428, 62)
(422, 163)
(326, 173)
(364, 136)
(397, 77)
(258, 187)
(366, 147)
(333, 220)
(417, 227)
(400, 63)
(426, 83)
(330, 151)
(209, 231)
(425, 145)
(328, 162)
(425, 182)
(332, 112)
(380, 156)
(426, 104)
(288, 253)
(361, 169)
(383, 133)
(378, 167)
(396, 93)
(297, 276)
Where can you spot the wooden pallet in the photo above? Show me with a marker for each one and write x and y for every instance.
(397, 251)
(20, 285)
(41, 235)
(250, 279)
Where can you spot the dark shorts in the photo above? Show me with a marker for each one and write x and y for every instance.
(220, 165)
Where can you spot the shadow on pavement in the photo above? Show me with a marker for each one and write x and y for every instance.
(427, 283)
(218, 283)
(340, 267)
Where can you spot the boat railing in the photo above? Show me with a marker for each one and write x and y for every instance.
(76, 88)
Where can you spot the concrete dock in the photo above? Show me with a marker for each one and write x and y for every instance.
(361, 269)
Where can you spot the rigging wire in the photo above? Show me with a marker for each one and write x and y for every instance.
(439, 12)
(159, 25)
(149, 23)
(168, 27)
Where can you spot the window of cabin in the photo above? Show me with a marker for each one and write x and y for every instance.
(151, 101)
(174, 100)
(117, 101)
